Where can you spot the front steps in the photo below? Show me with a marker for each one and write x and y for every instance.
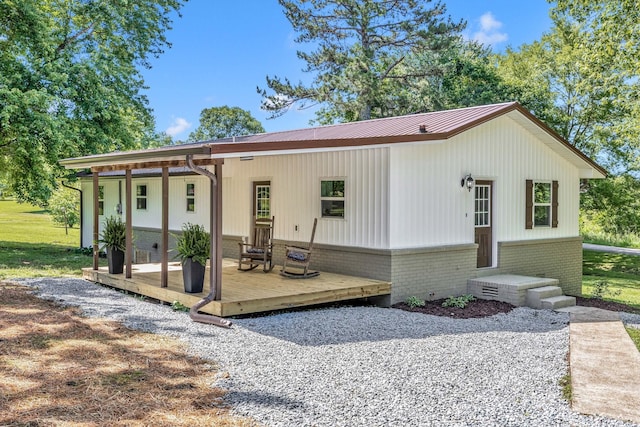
(550, 297)
(534, 292)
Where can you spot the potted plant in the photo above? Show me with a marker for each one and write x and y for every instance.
(113, 240)
(193, 247)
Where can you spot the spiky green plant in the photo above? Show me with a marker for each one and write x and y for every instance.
(113, 234)
(194, 242)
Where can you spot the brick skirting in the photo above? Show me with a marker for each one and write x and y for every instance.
(428, 273)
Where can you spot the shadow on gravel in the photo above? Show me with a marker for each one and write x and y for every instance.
(367, 324)
(311, 327)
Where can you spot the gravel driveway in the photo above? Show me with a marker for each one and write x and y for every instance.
(367, 366)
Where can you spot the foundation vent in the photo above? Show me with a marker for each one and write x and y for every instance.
(489, 291)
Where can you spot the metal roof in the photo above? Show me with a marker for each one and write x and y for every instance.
(439, 125)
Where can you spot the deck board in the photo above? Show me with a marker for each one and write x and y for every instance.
(244, 292)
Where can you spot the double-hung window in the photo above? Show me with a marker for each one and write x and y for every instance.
(191, 197)
(332, 198)
(542, 204)
(100, 200)
(141, 197)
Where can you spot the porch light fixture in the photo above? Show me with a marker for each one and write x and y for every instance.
(467, 181)
(245, 158)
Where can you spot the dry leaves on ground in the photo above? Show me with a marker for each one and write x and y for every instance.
(59, 368)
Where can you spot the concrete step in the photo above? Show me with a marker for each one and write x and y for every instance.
(511, 288)
(562, 301)
(535, 295)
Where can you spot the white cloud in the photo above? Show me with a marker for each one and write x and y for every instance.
(489, 33)
(178, 126)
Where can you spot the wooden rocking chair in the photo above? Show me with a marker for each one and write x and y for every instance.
(299, 258)
(259, 249)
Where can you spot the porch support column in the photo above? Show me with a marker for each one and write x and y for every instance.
(129, 233)
(164, 275)
(96, 223)
(216, 231)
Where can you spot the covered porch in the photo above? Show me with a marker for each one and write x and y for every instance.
(243, 292)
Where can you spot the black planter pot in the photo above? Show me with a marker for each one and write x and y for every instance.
(193, 276)
(115, 258)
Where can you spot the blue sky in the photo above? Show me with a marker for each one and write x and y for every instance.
(222, 50)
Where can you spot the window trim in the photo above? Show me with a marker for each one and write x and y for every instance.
(255, 194)
(531, 204)
(145, 197)
(101, 200)
(486, 212)
(334, 198)
(188, 197)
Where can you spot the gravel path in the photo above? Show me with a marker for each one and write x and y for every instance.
(367, 366)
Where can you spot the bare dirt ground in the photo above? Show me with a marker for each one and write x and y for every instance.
(58, 368)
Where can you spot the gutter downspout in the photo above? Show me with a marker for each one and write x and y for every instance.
(81, 210)
(193, 312)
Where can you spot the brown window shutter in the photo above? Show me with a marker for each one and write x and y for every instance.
(554, 204)
(528, 206)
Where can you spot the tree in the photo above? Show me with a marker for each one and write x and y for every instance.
(64, 208)
(610, 44)
(70, 85)
(587, 107)
(464, 75)
(359, 48)
(588, 63)
(223, 122)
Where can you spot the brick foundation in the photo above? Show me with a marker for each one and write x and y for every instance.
(427, 273)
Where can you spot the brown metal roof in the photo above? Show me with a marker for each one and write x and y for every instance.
(439, 125)
(436, 123)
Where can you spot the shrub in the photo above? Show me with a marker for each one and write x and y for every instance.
(459, 302)
(414, 302)
(602, 290)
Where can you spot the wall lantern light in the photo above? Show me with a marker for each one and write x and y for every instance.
(467, 181)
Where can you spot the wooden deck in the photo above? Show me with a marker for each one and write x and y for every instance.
(243, 292)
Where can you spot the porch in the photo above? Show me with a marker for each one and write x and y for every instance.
(242, 292)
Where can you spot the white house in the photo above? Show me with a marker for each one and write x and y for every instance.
(425, 201)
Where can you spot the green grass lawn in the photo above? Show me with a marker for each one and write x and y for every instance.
(31, 245)
(621, 272)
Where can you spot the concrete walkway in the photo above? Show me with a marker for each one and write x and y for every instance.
(605, 365)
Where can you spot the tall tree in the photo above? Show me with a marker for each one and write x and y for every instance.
(586, 105)
(222, 122)
(610, 45)
(359, 48)
(462, 76)
(70, 82)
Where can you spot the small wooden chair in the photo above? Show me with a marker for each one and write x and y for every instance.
(299, 258)
(259, 249)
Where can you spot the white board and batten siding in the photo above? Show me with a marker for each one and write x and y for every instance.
(397, 196)
(429, 207)
(152, 216)
(295, 196)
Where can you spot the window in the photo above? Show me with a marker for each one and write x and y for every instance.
(262, 199)
(100, 200)
(191, 197)
(332, 198)
(483, 205)
(141, 196)
(542, 204)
